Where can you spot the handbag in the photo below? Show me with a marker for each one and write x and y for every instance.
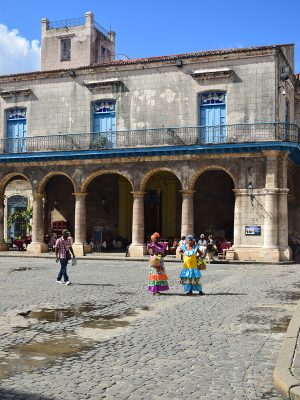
(155, 262)
(201, 265)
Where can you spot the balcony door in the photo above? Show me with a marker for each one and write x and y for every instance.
(212, 117)
(16, 125)
(104, 123)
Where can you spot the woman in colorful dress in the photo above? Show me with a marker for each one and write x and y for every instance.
(157, 279)
(190, 275)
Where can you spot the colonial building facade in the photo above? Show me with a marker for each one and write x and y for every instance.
(203, 142)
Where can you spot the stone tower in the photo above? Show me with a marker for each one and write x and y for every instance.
(75, 43)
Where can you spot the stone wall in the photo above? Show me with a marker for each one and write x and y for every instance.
(150, 96)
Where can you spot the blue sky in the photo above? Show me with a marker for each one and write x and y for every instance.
(152, 28)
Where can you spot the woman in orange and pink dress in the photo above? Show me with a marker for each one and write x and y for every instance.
(157, 279)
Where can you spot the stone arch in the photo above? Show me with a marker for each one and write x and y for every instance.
(154, 171)
(95, 174)
(211, 167)
(47, 177)
(8, 177)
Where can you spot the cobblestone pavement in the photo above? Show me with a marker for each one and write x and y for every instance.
(109, 338)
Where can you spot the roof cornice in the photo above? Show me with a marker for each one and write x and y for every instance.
(162, 60)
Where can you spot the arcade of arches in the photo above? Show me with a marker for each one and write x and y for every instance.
(129, 204)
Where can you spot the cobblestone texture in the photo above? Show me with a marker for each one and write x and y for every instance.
(220, 346)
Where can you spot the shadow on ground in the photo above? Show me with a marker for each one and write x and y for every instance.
(12, 394)
(206, 294)
(93, 284)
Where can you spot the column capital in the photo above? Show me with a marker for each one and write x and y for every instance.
(79, 195)
(38, 196)
(239, 192)
(271, 154)
(271, 190)
(137, 194)
(283, 191)
(187, 192)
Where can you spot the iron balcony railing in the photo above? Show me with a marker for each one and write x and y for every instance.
(180, 136)
(68, 23)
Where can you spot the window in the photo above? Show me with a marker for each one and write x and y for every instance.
(65, 48)
(16, 130)
(213, 117)
(104, 121)
(16, 203)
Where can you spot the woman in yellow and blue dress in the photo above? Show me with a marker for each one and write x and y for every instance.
(190, 275)
(157, 279)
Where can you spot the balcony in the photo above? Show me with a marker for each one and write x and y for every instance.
(207, 136)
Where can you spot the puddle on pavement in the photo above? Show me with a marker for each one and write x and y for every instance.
(113, 321)
(32, 356)
(42, 354)
(60, 314)
(21, 269)
(265, 324)
(105, 323)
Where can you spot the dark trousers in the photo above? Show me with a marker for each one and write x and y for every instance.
(63, 270)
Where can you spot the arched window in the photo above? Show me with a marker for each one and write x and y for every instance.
(104, 121)
(212, 117)
(16, 203)
(16, 130)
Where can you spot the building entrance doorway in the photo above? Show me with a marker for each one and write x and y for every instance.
(109, 213)
(163, 206)
(214, 205)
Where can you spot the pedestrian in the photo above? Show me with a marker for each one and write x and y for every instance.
(52, 242)
(182, 242)
(294, 244)
(157, 278)
(190, 275)
(211, 248)
(63, 251)
(202, 243)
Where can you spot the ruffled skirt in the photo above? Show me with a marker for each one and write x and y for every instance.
(157, 280)
(191, 279)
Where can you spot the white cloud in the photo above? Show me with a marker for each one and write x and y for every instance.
(17, 54)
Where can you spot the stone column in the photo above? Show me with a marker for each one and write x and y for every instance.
(283, 226)
(237, 230)
(3, 246)
(187, 212)
(80, 246)
(285, 252)
(37, 245)
(137, 247)
(271, 252)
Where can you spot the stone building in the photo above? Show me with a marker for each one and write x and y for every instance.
(204, 142)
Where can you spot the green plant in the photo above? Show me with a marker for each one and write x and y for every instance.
(23, 218)
(99, 140)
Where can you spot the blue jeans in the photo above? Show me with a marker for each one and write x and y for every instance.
(63, 270)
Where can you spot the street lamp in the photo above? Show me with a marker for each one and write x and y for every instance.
(250, 192)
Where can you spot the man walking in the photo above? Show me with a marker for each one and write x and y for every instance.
(63, 251)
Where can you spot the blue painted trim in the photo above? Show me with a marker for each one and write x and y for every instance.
(235, 148)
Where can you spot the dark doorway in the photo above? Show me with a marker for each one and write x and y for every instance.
(214, 204)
